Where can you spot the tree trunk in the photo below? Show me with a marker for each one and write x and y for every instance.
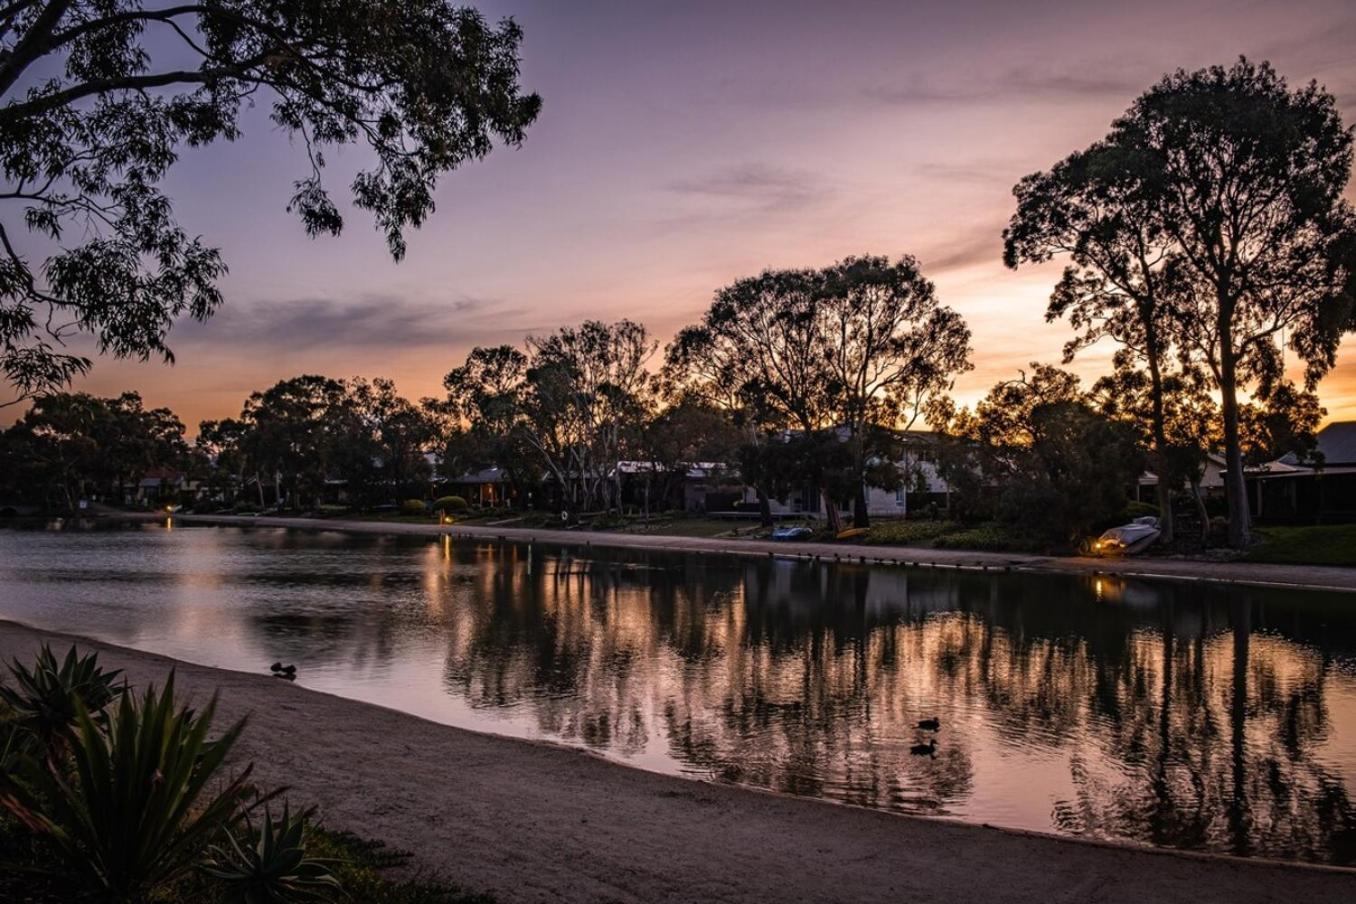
(831, 516)
(1235, 486)
(764, 506)
(1163, 491)
(860, 517)
(1202, 512)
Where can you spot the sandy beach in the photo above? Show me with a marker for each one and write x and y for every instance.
(535, 822)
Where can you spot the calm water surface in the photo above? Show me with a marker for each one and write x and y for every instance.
(1172, 714)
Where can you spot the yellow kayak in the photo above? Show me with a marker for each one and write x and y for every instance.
(852, 533)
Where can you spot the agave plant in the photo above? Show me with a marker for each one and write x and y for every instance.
(45, 698)
(142, 799)
(269, 865)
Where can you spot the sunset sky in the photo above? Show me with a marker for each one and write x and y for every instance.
(683, 145)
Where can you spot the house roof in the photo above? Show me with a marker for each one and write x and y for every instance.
(1336, 447)
(694, 469)
(484, 475)
(1337, 443)
(1150, 479)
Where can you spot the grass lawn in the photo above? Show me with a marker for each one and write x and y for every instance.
(1320, 544)
(690, 527)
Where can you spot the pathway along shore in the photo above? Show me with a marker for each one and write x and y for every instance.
(533, 822)
(1315, 577)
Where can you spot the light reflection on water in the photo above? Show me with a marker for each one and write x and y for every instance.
(1173, 714)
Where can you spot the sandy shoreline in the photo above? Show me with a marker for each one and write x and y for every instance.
(1314, 577)
(539, 822)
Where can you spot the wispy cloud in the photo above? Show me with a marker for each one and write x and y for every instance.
(983, 247)
(973, 172)
(367, 322)
(755, 186)
(1028, 82)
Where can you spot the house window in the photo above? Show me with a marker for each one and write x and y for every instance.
(899, 496)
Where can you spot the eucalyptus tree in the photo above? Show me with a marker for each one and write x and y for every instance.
(754, 355)
(1057, 465)
(221, 443)
(1095, 208)
(1246, 178)
(1187, 416)
(98, 97)
(591, 393)
(293, 436)
(485, 403)
(391, 437)
(889, 348)
(1285, 423)
(69, 444)
(574, 401)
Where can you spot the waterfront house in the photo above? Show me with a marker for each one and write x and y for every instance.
(1318, 490)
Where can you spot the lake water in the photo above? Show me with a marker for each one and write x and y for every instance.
(1180, 715)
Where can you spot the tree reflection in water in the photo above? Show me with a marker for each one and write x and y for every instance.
(1182, 716)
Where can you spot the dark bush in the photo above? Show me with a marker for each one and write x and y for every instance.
(45, 700)
(413, 507)
(142, 799)
(450, 504)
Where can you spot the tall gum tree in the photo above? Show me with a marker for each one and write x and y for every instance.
(97, 97)
(861, 345)
(889, 346)
(1246, 177)
(753, 355)
(1093, 208)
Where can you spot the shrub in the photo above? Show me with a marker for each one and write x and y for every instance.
(413, 507)
(142, 801)
(270, 865)
(46, 700)
(450, 504)
(1134, 509)
(906, 533)
(984, 537)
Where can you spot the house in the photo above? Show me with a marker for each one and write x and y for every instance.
(694, 487)
(923, 486)
(485, 487)
(1212, 480)
(162, 486)
(1317, 491)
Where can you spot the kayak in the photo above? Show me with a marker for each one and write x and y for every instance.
(792, 533)
(852, 533)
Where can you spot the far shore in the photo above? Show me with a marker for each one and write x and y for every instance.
(1310, 577)
(538, 822)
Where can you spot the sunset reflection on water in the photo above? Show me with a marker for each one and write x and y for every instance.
(1180, 715)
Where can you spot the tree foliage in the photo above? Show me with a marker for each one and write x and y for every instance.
(1208, 226)
(577, 398)
(1052, 465)
(847, 351)
(1093, 207)
(100, 96)
(1246, 176)
(70, 445)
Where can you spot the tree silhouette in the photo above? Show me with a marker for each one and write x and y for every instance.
(99, 97)
(1246, 178)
